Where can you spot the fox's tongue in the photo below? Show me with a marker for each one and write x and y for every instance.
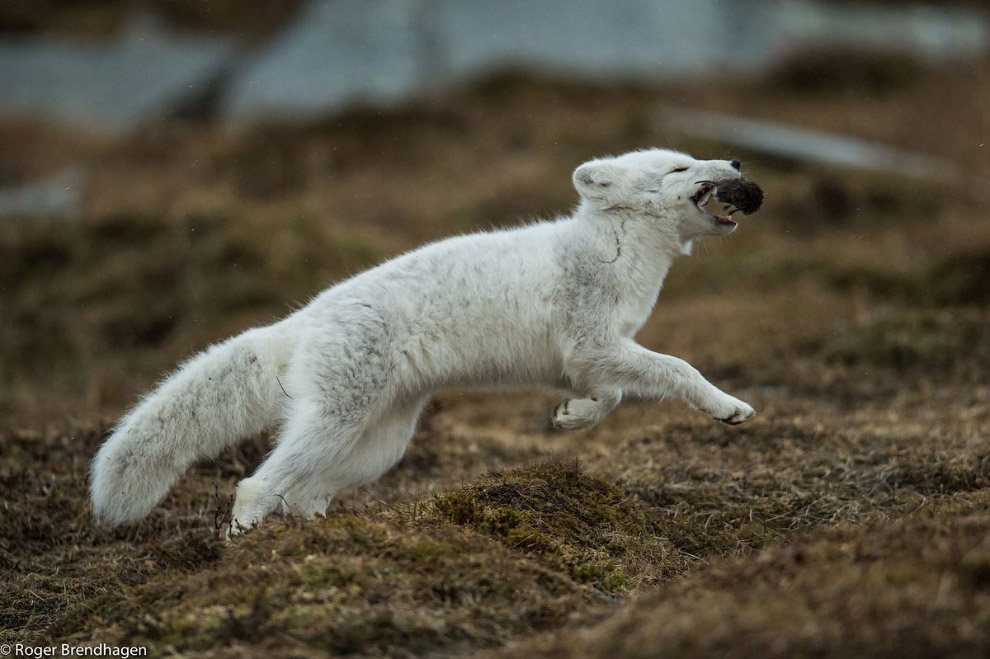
(704, 204)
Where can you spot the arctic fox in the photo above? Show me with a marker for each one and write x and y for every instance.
(552, 305)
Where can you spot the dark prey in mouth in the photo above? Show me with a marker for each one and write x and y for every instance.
(741, 193)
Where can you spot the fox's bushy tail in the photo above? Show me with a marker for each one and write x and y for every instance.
(218, 397)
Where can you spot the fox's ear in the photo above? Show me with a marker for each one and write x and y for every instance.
(598, 179)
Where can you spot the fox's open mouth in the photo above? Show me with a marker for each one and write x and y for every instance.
(736, 194)
(704, 195)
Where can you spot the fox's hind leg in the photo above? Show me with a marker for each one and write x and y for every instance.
(255, 500)
(316, 460)
(315, 435)
(319, 431)
(345, 425)
(377, 450)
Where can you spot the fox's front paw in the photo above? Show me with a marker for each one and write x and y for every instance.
(731, 410)
(575, 414)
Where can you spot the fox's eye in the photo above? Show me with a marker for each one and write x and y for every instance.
(679, 169)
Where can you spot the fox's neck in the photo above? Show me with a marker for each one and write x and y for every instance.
(644, 250)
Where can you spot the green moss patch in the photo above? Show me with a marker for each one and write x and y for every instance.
(557, 513)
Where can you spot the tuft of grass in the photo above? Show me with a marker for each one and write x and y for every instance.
(557, 513)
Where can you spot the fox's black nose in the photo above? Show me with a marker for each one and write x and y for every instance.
(736, 165)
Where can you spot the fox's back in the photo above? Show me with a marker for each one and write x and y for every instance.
(463, 309)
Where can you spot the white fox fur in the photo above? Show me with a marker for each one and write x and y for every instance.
(551, 305)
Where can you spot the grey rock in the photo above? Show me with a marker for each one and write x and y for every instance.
(339, 53)
(335, 54)
(59, 197)
(147, 73)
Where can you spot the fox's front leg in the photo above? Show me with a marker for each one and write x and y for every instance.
(651, 375)
(582, 413)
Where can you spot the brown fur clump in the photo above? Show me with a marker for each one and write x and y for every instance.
(742, 193)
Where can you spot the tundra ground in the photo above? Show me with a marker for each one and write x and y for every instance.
(851, 517)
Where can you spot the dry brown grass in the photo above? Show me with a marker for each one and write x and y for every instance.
(915, 588)
(847, 519)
